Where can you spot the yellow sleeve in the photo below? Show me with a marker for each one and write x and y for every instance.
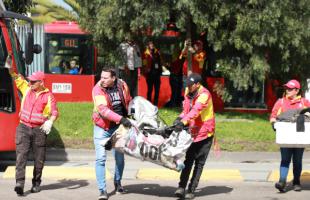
(203, 98)
(21, 84)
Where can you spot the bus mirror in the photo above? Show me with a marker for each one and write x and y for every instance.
(37, 48)
(29, 48)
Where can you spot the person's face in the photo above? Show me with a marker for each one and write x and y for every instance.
(106, 79)
(35, 85)
(197, 47)
(72, 63)
(151, 45)
(291, 92)
(193, 88)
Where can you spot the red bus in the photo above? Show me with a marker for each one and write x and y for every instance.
(64, 43)
(9, 97)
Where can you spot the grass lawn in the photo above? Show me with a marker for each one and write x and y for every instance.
(235, 131)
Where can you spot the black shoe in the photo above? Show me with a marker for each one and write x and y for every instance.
(297, 187)
(189, 195)
(19, 189)
(179, 192)
(35, 189)
(281, 186)
(103, 195)
(119, 188)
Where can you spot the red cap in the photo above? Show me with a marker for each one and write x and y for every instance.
(292, 84)
(37, 76)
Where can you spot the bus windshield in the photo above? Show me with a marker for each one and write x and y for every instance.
(68, 54)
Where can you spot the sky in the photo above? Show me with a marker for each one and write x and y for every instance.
(61, 2)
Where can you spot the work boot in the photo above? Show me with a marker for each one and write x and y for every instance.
(189, 194)
(19, 189)
(119, 188)
(179, 192)
(281, 186)
(35, 188)
(297, 187)
(103, 195)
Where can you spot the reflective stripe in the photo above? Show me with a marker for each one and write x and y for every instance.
(26, 116)
(37, 114)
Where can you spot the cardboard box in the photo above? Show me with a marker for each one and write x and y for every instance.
(287, 136)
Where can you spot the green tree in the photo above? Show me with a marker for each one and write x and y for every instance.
(19, 6)
(45, 11)
(252, 39)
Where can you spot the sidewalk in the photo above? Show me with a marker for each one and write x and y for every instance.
(230, 166)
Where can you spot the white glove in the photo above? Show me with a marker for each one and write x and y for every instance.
(8, 62)
(47, 126)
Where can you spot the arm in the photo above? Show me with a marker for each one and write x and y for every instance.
(200, 104)
(276, 110)
(21, 83)
(102, 107)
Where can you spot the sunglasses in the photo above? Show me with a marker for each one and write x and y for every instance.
(33, 82)
(290, 89)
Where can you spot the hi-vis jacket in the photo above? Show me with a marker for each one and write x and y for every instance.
(198, 60)
(284, 104)
(198, 113)
(103, 113)
(149, 59)
(36, 107)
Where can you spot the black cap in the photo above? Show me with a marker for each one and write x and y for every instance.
(193, 78)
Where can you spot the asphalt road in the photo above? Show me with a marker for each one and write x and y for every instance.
(84, 189)
(252, 176)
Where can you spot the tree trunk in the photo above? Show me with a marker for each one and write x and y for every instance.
(188, 37)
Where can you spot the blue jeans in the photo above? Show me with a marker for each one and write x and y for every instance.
(99, 135)
(286, 156)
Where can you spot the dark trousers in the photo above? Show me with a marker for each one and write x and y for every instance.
(153, 80)
(176, 83)
(29, 138)
(198, 153)
(286, 156)
(131, 78)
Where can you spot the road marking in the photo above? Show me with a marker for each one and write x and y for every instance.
(275, 174)
(211, 174)
(59, 172)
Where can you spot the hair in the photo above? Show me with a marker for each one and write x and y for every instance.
(109, 69)
(73, 59)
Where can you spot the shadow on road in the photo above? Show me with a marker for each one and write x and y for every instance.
(70, 184)
(66, 183)
(168, 191)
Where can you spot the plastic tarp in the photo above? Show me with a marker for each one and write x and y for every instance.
(157, 146)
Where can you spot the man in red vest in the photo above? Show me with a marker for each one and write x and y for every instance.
(37, 114)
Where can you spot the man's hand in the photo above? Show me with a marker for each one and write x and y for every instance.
(179, 127)
(126, 122)
(177, 120)
(8, 62)
(272, 125)
(47, 126)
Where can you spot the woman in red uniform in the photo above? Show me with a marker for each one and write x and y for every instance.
(291, 100)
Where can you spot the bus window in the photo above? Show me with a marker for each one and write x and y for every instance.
(7, 103)
(65, 52)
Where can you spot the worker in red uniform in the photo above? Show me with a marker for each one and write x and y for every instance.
(198, 57)
(290, 100)
(37, 114)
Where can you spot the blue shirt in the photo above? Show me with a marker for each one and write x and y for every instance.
(74, 71)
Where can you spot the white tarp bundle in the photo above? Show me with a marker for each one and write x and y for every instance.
(293, 128)
(168, 152)
(287, 135)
